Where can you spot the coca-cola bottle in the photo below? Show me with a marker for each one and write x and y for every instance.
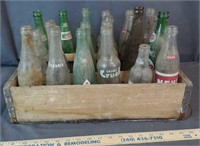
(167, 63)
(135, 38)
(108, 64)
(124, 34)
(140, 72)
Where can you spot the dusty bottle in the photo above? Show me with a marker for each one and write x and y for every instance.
(150, 24)
(48, 24)
(157, 37)
(57, 71)
(108, 65)
(106, 15)
(83, 68)
(39, 24)
(135, 38)
(140, 72)
(66, 36)
(125, 31)
(86, 18)
(86, 26)
(40, 51)
(168, 62)
(29, 69)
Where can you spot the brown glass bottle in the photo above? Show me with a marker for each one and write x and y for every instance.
(135, 38)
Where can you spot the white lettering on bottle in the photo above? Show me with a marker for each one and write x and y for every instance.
(166, 78)
(56, 65)
(110, 73)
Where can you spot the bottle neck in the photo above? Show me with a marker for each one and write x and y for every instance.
(27, 46)
(107, 45)
(143, 58)
(161, 26)
(63, 19)
(55, 48)
(38, 22)
(170, 42)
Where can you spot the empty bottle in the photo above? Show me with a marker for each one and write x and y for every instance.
(150, 24)
(86, 18)
(168, 62)
(135, 38)
(86, 26)
(57, 71)
(39, 24)
(108, 64)
(40, 51)
(124, 34)
(29, 69)
(66, 36)
(83, 68)
(157, 37)
(140, 72)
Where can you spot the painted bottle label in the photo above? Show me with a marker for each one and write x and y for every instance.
(152, 38)
(166, 78)
(110, 73)
(66, 36)
(87, 82)
(58, 65)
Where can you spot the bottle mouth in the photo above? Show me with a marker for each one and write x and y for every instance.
(150, 12)
(62, 12)
(144, 47)
(172, 30)
(163, 14)
(37, 13)
(138, 10)
(26, 28)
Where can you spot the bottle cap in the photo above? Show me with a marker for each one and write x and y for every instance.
(163, 14)
(62, 12)
(37, 13)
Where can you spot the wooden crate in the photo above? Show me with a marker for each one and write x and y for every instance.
(98, 102)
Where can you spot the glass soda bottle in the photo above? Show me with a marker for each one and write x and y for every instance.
(167, 63)
(86, 18)
(83, 68)
(66, 36)
(140, 72)
(39, 24)
(40, 51)
(149, 25)
(29, 69)
(157, 37)
(135, 38)
(86, 26)
(108, 64)
(57, 71)
(124, 34)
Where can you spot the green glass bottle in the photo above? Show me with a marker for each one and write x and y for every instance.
(83, 69)
(66, 36)
(39, 24)
(156, 39)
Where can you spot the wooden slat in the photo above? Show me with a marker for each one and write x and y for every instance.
(77, 102)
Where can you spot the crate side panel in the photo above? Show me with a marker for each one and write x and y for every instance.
(122, 101)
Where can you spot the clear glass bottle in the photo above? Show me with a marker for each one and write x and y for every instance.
(124, 34)
(66, 36)
(140, 72)
(83, 68)
(39, 24)
(86, 18)
(108, 65)
(57, 71)
(150, 24)
(86, 26)
(135, 38)
(156, 40)
(41, 51)
(29, 68)
(168, 62)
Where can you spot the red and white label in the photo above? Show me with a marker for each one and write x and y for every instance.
(171, 57)
(166, 78)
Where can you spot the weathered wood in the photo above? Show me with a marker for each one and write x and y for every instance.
(186, 109)
(78, 102)
(12, 81)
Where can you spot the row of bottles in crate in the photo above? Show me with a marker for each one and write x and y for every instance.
(42, 59)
